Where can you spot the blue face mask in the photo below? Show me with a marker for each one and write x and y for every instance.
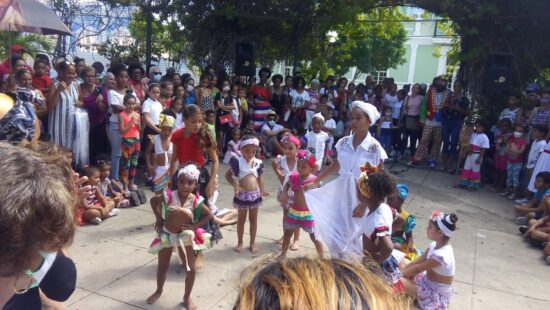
(37, 276)
(156, 77)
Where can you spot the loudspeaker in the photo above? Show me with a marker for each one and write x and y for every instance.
(496, 80)
(244, 60)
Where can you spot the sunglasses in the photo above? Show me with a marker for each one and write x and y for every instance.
(157, 73)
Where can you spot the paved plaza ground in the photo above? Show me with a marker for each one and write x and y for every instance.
(495, 268)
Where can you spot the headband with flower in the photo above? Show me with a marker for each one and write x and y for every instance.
(307, 157)
(362, 185)
(290, 138)
(251, 141)
(190, 172)
(438, 218)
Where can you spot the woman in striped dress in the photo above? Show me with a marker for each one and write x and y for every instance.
(261, 93)
(63, 99)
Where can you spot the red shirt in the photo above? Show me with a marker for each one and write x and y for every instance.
(188, 147)
(518, 144)
(42, 83)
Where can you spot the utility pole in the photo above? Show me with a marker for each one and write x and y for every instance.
(149, 29)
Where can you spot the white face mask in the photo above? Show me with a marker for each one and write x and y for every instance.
(518, 134)
(225, 88)
(190, 88)
(388, 113)
(271, 123)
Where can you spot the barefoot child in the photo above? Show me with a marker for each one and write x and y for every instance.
(178, 224)
(479, 144)
(249, 189)
(162, 149)
(283, 166)
(129, 124)
(298, 215)
(97, 207)
(429, 278)
(373, 187)
(317, 140)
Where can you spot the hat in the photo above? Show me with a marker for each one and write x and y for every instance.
(166, 121)
(272, 113)
(532, 88)
(368, 109)
(402, 191)
(319, 116)
(16, 48)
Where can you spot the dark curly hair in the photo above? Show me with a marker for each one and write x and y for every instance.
(380, 185)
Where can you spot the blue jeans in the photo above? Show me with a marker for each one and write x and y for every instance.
(116, 151)
(385, 139)
(450, 129)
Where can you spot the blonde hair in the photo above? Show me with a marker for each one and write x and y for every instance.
(313, 283)
(37, 205)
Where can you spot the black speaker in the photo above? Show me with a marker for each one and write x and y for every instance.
(244, 60)
(496, 80)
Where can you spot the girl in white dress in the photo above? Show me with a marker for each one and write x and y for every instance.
(332, 205)
(543, 164)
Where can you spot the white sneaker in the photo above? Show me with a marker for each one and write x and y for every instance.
(133, 187)
(521, 201)
(95, 221)
(114, 212)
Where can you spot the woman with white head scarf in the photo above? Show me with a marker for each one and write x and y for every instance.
(332, 205)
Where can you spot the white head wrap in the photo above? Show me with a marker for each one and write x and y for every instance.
(251, 141)
(368, 109)
(191, 172)
(439, 217)
(319, 115)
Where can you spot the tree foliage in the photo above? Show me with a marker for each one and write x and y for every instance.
(32, 43)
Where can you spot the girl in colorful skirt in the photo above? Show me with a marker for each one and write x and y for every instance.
(479, 144)
(429, 279)
(283, 166)
(298, 215)
(404, 223)
(179, 225)
(249, 189)
(376, 225)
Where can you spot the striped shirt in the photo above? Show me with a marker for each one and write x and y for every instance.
(61, 118)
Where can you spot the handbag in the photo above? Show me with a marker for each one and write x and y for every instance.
(226, 118)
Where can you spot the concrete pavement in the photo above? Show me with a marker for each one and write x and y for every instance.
(495, 268)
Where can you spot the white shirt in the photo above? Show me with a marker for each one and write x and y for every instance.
(179, 121)
(536, 149)
(276, 127)
(299, 99)
(154, 108)
(480, 139)
(114, 98)
(330, 123)
(509, 114)
(235, 112)
(351, 159)
(378, 222)
(445, 256)
(316, 144)
(331, 95)
(394, 104)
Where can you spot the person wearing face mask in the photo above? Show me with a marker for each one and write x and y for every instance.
(272, 134)
(34, 271)
(224, 105)
(431, 114)
(541, 114)
(189, 97)
(154, 75)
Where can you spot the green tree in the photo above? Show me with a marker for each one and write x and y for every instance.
(33, 43)
(361, 43)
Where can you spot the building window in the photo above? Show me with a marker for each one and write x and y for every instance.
(378, 76)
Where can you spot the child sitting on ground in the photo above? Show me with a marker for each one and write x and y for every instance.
(298, 215)
(233, 146)
(97, 208)
(534, 209)
(515, 154)
(470, 178)
(178, 224)
(537, 230)
(403, 225)
(429, 278)
(106, 186)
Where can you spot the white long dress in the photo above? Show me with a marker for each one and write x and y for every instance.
(332, 205)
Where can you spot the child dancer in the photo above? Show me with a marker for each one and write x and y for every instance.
(317, 140)
(248, 190)
(502, 135)
(179, 225)
(129, 124)
(429, 278)
(97, 207)
(233, 146)
(162, 149)
(298, 215)
(514, 150)
(106, 186)
(373, 187)
(470, 178)
(283, 166)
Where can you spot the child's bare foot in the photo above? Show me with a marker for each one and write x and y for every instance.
(280, 241)
(153, 298)
(253, 249)
(188, 304)
(295, 245)
(238, 248)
